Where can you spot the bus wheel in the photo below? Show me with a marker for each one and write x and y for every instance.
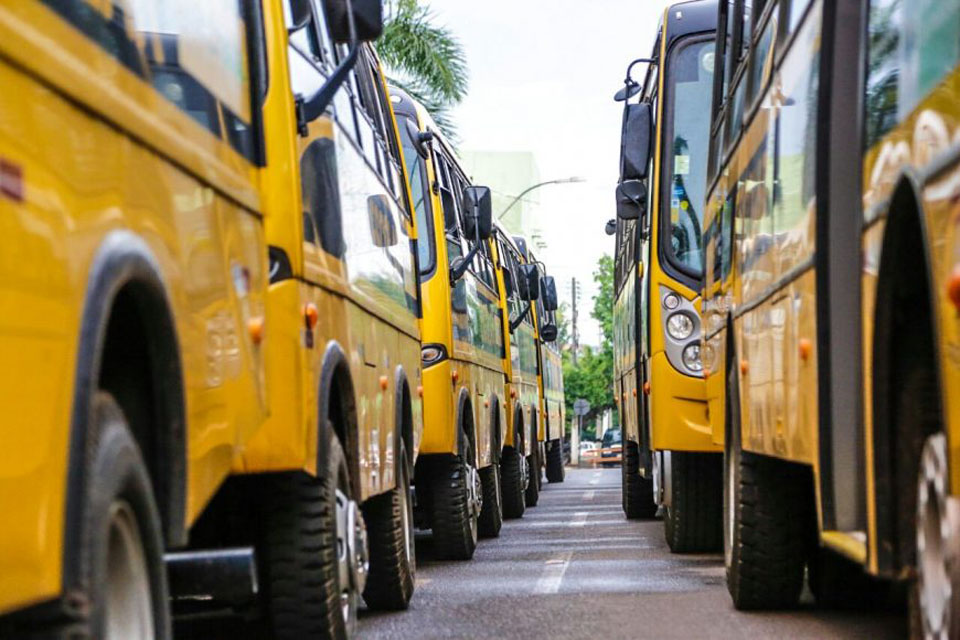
(312, 553)
(513, 467)
(532, 494)
(765, 521)
(638, 502)
(393, 557)
(693, 519)
(555, 470)
(935, 601)
(122, 548)
(491, 514)
(457, 502)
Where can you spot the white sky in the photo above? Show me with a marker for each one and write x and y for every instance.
(542, 78)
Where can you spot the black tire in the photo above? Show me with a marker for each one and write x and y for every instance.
(532, 494)
(512, 476)
(297, 551)
(455, 528)
(491, 514)
(766, 520)
(393, 558)
(119, 489)
(694, 519)
(555, 469)
(638, 500)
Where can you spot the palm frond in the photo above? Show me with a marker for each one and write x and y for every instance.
(415, 47)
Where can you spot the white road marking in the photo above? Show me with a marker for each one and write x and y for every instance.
(553, 571)
(589, 495)
(595, 481)
(579, 519)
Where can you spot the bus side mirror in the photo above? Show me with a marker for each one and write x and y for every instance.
(611, 227)
(548, 332)
(549, 288)
(507, 281)
(477, 213)
(299, 14)
(367, 19)
(529, 282)
(635, 141)
(631, 200)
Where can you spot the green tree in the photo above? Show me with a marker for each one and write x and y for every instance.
(424, 59)
(592, 377)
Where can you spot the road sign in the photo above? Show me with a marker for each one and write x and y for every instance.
(581, 407)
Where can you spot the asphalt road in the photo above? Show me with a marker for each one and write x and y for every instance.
(573, 567)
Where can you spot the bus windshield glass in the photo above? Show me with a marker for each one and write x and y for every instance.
(686, 137)
(416, 170)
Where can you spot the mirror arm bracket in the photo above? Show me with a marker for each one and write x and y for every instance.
(516, 323)
(459, 268)
(310, 108)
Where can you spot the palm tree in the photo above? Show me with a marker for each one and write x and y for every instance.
(425, 60)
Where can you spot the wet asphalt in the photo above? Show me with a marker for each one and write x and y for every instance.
(574, 567)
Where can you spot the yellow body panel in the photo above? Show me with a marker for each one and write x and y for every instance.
(100, 151)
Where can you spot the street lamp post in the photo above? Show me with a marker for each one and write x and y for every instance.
(537, 186)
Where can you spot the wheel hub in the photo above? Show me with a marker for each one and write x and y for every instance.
(128, 606)
(352, 553)
(475, 489)
(937, 520)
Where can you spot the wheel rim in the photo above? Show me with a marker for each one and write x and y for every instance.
(406, 508)
(933, 539)
(474, 498)
(729, 510)
(353, 561)
(128, 602)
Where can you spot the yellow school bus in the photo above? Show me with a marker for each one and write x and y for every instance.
(521, 455)
(831, 301)
(458, 473)
(552, 403)
(670, 457)
(343, 370)
(133, 300)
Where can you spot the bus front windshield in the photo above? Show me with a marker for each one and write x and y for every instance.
(690, 79)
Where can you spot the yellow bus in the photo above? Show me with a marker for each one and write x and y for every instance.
(325, 483)
(831, 301)
(552, 403)
(133, 302)
(458, 473)
(670, 458)
(521, 453)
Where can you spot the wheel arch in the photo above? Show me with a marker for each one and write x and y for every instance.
(126, 297)
(336, 398)
(904, 250)
(403, 420)
(465, 410)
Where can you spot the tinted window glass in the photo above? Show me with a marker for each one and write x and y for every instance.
(691, 83)
(417, 170)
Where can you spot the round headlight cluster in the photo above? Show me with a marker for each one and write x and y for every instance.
(671, 301)
(691, 357)
(431, 354)
(680, 326)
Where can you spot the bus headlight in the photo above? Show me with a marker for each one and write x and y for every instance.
(679, 326)
(691, 357)
(671, 301)
(432, 354)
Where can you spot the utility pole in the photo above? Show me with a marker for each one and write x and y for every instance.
(576, 335)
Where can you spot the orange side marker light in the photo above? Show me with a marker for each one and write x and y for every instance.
(953, 286)
(646, 388)
(311, 315)
(255, 327)
(744, 367)
(806, 348)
